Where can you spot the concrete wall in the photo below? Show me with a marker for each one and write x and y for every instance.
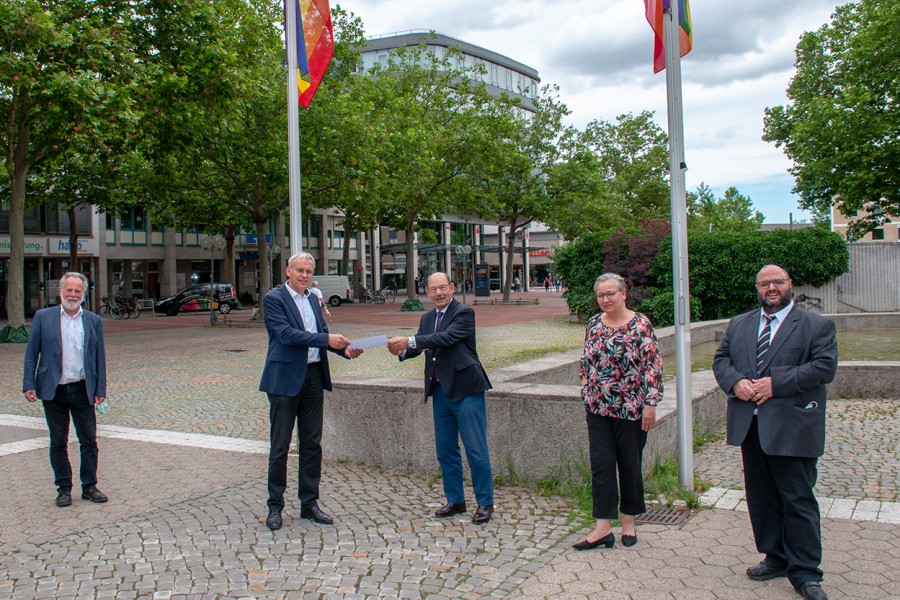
(534, 430)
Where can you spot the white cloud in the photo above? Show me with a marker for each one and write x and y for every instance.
(599, 52)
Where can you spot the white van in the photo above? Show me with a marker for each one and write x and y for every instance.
(335, 288)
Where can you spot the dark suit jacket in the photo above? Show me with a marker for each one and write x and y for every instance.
(43, 354)
(451, 352)
(801, 360)
(289, 344)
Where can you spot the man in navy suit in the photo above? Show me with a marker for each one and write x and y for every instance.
(457, 381)
(65, 366)
(294, 378)
(774, 364)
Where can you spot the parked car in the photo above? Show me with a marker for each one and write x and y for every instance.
(198, 297)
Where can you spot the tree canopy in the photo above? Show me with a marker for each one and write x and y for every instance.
(841, 128)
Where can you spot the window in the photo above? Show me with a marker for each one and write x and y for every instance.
(878, 234)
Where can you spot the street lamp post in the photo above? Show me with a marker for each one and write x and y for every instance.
(212, 243)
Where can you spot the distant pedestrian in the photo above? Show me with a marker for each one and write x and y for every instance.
(557, 284)
(65, 366)
(547, 283)
(517, 284)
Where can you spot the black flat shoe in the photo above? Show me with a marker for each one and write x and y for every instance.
(608, 541)
(64, 498)
(315, 514)
(273, 521)
(94, 495)
(629, 540)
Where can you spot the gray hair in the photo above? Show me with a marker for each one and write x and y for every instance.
(75, 274)
(438, 273)
(618, 279)
(301, 256)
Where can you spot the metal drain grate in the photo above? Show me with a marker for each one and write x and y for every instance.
(663, 516)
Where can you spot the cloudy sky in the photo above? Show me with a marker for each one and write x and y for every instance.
(599, 53)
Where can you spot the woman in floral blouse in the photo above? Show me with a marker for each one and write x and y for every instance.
(621, 382)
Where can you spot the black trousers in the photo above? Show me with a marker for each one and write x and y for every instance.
(616, 444)
(71, 400)
(306, 410)
(784, 513)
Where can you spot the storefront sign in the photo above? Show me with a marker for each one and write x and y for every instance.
(33, 246)
(87, 246)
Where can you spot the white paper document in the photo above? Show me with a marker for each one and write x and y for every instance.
(370, 342)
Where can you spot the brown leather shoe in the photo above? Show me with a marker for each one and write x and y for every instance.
(448, 510)
(483, 514)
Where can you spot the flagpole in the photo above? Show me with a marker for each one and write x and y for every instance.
(294, 200)
(680, 286)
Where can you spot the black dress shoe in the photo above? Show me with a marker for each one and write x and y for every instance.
(64, 498)
(448, 510)
(629, 540)
(812, 590)
(273, 521)
(765, 570)
(311, 511)
(607, 540)
(94, 495)
(483, 514)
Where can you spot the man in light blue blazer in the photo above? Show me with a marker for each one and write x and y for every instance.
(65, 367)
(294, 378)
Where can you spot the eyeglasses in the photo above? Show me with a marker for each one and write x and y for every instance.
(776, 282)
(439, 288)
(607, 295)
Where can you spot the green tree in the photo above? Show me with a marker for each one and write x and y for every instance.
(842, 126)
(427, 137)
(732, 212)
(630, 164)
(67, 72)
(518, 159)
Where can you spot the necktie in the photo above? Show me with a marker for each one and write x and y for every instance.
(762, 344)
(437, 323)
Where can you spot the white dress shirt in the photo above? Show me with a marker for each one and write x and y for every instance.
(72, 334)
(309, 319)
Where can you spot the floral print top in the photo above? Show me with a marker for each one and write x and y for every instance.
(622, 367)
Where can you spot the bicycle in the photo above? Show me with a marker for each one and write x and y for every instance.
(128, 306)
(376, 296)
(389, 295)
(111, 310)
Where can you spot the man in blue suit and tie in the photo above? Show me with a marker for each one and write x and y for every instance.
(457, 382)
(774, 364)
(294, 378)
(65, 367)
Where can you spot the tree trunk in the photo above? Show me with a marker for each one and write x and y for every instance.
(228, 267)
(262, 249)
(15, 289)
(510, 260)
(411, 267)
(73, 240)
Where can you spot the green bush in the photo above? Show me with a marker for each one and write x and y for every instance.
(413, 305)
(579, 263)
(723, 266)
(660, 308)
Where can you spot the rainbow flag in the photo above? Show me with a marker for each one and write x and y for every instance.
(655, 9)
(315, 46)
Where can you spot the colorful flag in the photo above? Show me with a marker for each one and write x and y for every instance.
(655, 9)
(315, 46)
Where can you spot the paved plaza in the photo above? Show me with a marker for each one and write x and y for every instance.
(183, 458)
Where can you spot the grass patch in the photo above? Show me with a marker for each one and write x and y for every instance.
(702, 438)
(661, 484)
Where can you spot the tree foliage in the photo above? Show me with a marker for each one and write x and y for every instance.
(842, 126)
(733, 212)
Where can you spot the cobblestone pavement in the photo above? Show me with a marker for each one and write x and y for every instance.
(185, 513)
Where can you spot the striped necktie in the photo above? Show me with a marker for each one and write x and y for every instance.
(762, 344)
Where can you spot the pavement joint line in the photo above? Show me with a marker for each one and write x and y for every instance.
(873, 511)
(172, 438)
(24, 446)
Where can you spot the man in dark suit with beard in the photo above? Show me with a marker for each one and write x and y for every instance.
(774, 364)
(456, 380)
